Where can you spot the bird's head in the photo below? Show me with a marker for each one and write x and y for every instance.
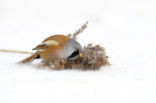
(71, 49)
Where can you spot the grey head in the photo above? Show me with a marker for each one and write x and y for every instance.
(71, 49)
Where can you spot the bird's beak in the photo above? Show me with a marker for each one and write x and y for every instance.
(81, 55)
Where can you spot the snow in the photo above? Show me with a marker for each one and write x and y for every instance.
(126, 28)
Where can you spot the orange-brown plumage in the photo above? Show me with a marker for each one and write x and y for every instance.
(61, 39)
(56, 47)
(49, 52)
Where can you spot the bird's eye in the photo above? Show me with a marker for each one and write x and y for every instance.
(74, 54)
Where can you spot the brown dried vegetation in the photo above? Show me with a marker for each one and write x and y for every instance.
(93, 58)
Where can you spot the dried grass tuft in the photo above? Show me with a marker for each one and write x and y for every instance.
(93, 58)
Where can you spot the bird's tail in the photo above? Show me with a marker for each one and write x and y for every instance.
(30, 58)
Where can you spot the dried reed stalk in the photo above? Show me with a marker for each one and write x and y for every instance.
(15, 51)
(77, 32)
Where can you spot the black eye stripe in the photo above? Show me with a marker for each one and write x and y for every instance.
(75, 53)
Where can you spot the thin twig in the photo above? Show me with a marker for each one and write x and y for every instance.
(15, 51)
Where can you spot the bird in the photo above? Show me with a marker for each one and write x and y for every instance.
(56, 47)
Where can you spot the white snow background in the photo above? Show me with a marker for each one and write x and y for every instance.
(126, 28)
